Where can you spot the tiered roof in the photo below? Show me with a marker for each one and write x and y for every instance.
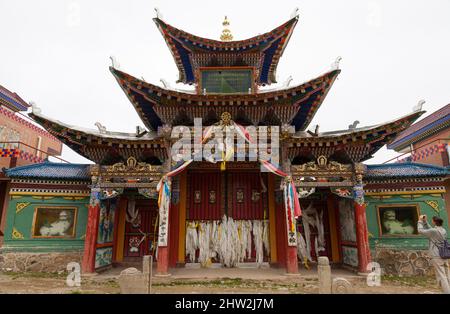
(262, 52)
(157, 106)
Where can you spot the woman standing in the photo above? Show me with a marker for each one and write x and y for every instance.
(436, 236)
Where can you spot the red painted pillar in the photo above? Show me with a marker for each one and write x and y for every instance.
(88, 262)
(162, 266)
(362, 237)
(291, 260)
(291, 243)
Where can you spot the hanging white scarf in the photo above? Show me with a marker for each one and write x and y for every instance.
(266, 240)
(258, 240)
(191, 241)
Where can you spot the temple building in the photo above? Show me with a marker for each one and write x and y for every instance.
(273, 193)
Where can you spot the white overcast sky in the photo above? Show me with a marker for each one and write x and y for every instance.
(56, 53)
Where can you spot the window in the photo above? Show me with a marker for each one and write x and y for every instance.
(225, 81)
(54, 222)
(398, 220)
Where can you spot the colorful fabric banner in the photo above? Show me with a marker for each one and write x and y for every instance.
(290, 186)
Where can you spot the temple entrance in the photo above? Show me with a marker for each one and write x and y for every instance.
(141, 230)
(319, 227)
(232, 204)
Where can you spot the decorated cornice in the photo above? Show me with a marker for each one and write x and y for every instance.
(129, 174)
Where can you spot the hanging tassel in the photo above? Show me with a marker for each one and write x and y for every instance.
(223, 163)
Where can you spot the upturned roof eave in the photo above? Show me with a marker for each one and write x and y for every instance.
(171, 34)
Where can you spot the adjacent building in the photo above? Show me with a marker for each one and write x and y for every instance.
(21, 142)
(427, 142)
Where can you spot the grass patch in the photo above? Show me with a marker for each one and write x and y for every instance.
(231, 283)
(16, 275)
(410, 281)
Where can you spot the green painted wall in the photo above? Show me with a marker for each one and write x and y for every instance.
(399, 241)
(22, 221)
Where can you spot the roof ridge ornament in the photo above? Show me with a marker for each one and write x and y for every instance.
(226, 33)
(114, 63)
(101, 128)
(353, 125)
(335, 65)
(419, 106)
(294, 13)
(34, 108)
(158, 14)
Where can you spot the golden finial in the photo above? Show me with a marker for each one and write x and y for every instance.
(226, 33)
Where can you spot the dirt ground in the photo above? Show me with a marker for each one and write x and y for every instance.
(36, 283)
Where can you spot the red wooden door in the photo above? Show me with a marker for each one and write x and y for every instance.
(247, 196)
(247, 200)
(141, 236)
(204, 196)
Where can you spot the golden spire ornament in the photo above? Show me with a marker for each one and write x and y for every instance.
(226, 33)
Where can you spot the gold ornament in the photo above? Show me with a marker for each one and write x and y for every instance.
(434, 205)
(20, 206)
(226, 33)
(16, 234)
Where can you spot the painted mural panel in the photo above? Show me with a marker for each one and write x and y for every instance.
(103, 257)
(350, 256)
(398, 219)
(106, 222)
(347, 220)
(54, 222)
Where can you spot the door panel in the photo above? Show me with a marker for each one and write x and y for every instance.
(246, 196)
(140, 237)
(204, 196)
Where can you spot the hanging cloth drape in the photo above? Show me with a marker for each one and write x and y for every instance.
(292, 195)
(290, 192)
(164, 189)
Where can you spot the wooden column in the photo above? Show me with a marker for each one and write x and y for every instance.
(120, 231)
(272, 220)
(182, 219)
(362, 237)
(333, 220)
(362, 233)
(291, 248)
(90, 242)
(162, 266)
